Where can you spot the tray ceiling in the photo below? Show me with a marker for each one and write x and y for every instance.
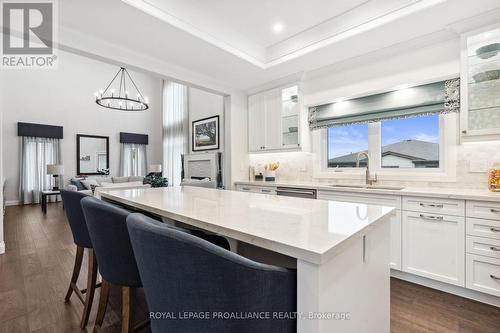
(245, 28)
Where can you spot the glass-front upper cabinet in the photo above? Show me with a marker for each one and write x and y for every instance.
(290, 117)
(480, 76)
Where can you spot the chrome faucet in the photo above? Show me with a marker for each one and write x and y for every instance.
(369, 180)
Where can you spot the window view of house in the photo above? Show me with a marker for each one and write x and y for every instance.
(405, 143)
(344, 144)
(410, 142)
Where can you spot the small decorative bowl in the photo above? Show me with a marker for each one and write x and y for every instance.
(487, 76)
(488, 51)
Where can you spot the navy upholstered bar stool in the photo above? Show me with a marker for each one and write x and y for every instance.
(76, 219)
(108, 231)
(182, 273)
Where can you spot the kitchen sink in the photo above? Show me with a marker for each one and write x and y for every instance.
(369, 187)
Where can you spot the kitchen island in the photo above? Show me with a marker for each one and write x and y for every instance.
(341, 249)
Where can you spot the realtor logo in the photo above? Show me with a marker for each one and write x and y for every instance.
(29, 31)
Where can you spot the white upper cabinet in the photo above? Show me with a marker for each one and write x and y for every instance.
(256, 116)
(274, 120)
(480, 85)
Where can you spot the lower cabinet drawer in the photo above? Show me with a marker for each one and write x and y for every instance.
(434, 205)
(483, 209)
(483, 228)
(483, 274)
(256, 189)
(483, 246)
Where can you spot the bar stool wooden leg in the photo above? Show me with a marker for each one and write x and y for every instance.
(91, 286)
(76, 272)
(103, 303)
(127, 309)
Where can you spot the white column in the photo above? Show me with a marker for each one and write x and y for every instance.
(354, 283)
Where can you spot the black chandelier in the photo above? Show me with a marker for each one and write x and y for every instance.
(122, 99)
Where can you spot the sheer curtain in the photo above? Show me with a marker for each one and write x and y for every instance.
(175, 130)
(36, 153)
(133, 159)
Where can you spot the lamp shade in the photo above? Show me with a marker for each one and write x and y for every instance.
(155, 168)
(55, 169)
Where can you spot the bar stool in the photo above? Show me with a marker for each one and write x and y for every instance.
(182, 273)
(76, 219)
(108, 231)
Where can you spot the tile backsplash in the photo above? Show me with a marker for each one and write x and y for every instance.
(473, 163)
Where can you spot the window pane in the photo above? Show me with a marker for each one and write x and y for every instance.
(411, 142)
(344, 144)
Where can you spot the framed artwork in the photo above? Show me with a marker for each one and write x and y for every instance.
(205, 134)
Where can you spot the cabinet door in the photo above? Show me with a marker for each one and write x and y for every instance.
(434, 246)
(396, 240)
(290, 117)
(375, 199)
(256, 120)
(272, 120)
(480, 84)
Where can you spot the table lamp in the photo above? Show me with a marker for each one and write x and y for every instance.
(155, 168)
(55, 170)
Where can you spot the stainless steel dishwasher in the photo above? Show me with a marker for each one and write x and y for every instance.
(307, 193)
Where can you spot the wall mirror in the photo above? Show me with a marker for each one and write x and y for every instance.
(92, 153)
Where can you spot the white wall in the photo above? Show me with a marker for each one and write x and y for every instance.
(237, 157)
(202, 105)
(65, 97)
(377, 73)
(232, 111)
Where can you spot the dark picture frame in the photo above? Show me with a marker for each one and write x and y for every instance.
(205, 134)
(78, 158)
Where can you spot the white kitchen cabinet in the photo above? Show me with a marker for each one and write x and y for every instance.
(376, 199)
(274, 120)
(434, 246)
(256, 189)
(256, 116)
(483, 274)
(483, 210)
(434, 205)
(480, 85)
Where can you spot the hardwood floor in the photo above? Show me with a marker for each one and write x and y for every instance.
(36, 269)
(35, 272)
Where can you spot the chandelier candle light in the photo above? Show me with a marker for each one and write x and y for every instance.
(122, 99)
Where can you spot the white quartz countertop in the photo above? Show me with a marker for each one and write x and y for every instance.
(438, 192)
(311, 230)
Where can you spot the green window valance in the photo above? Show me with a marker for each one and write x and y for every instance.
(434, 98)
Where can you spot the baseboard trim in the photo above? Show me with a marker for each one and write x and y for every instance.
(12, 203)
(448, 288)
(2, 247)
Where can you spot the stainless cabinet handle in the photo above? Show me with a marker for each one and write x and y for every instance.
(245, 189)
(431, 217)
(431, 205)
(492, 248)
(493, 210)
(494, 230)
(265, 190)
(494, 277)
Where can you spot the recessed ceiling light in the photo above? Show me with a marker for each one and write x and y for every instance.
(278, 27)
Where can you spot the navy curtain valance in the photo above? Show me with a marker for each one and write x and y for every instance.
(141, 139)
(39, 130)
(434, 98)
